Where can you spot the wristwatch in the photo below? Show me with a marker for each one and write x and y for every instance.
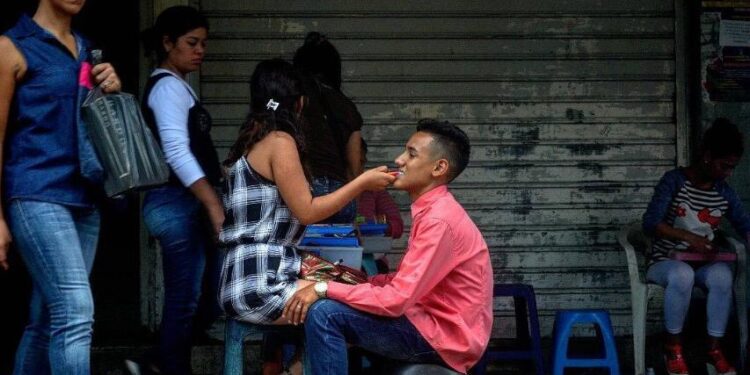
(321, 288)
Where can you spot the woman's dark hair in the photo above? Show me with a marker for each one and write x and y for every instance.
(723, 139)
(318, 57)
(275, 80)
(173, 23)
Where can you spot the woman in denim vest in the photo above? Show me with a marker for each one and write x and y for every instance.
(185, 214)
(47, 202)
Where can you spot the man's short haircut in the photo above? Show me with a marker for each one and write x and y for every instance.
(451, 143)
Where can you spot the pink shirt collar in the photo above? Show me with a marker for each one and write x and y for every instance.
(427, 199)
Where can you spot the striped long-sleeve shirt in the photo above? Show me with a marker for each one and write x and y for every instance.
(679, 204)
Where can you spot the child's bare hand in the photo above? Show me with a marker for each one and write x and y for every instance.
(700, 244)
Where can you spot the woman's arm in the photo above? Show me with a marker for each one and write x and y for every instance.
(210, 200)
(736, 213)
(287, 173)
(12, 69)
(171, 103)
(695, 242)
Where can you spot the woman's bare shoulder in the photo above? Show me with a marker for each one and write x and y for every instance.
(281, 139)
(11, 59)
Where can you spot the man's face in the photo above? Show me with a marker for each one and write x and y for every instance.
(416, 163)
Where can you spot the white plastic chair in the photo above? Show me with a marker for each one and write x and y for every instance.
(635, 242)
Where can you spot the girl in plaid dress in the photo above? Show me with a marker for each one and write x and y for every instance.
(268, 199)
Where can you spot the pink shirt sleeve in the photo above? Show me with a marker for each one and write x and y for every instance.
(381, 278)
(427, 261)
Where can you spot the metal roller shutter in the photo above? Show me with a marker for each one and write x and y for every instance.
(570, 107)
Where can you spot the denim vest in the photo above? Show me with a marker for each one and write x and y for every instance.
(41, 160)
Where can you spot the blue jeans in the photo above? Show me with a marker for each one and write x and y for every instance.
(325, 185)
(176, 218)
(678, 277)
(330, 325)
(57, 244)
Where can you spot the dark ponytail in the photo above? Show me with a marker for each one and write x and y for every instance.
(173, 23)
(274, 80)
(318, 57)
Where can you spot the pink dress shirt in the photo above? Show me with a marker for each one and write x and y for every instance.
(443, 284)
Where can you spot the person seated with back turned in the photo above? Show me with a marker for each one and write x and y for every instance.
(378, 205)
(437, 307)
(684, 212)
(334, 125)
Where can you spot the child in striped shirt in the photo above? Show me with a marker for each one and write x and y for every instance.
(684, 212)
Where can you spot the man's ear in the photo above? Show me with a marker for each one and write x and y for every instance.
(441, 168)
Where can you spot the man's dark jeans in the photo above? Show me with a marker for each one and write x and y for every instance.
(331, 325)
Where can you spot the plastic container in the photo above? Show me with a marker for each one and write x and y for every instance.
(350, 256)
(327, 230)
(372, 229)
(376, 244)
(329, 241)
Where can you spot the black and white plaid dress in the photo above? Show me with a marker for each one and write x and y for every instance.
(260, 270)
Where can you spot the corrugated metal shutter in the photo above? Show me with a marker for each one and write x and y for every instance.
(569, 105)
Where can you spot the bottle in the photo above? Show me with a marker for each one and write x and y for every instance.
(95, 92)
(97, 57)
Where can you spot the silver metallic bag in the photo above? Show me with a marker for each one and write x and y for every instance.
(125, 146)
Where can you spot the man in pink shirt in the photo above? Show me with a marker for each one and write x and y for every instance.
(437, 306)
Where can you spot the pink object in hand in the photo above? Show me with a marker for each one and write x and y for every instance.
(723, 256)
(395, 173)
(84, 76)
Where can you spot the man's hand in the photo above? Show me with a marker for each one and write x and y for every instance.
(296, 309)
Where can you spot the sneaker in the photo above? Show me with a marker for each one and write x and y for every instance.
(675, 361)
(133, 367)
(140, 368)
(720, 363)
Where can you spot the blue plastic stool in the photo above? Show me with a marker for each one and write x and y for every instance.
(527, 329)
(564, 322)
(234, 338)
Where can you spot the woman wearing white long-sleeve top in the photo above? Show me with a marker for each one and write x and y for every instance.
(185, 214)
